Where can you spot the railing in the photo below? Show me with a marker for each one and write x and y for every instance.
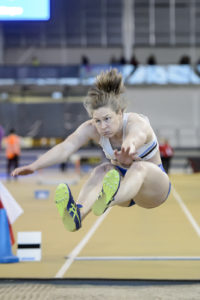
(85, 75)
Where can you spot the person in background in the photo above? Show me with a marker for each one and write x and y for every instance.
(113, 60)
(166, 153)
(134, 62)
(151, 60)
(122, 60)
(13, 151)
(85, 60)
(185, 60)
(63, 166)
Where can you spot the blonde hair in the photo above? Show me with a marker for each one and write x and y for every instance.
(106, 92)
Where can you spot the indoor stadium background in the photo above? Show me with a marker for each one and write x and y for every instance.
(50, 54)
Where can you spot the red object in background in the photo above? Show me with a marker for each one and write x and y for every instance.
(12, 239)
(166, 150)
(1, 205)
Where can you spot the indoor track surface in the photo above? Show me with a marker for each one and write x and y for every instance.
(124, 243)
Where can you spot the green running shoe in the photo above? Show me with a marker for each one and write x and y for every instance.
(111, 183)
(67, 208)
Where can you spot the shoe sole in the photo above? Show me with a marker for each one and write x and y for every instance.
(62, 196)
(111, 183)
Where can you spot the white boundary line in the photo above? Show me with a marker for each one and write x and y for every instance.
(186, 211)
(72, 256)
(137, 258)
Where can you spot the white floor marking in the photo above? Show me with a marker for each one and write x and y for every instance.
(186, 211)
(137, 258)
(72, 256)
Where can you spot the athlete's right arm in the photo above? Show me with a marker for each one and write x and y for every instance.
(61, 152)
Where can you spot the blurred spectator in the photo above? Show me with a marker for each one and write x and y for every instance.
(13, 151)
(134, 61)
(1, 135)
(151, 60)
(166, 153)
(122, 60)
(63, 166)
(184, 60)
(113, 60)
(85, 60)
(35, 61)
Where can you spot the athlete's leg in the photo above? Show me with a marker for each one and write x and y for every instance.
(72, 213)
(125, 203)
(92, 188)
(144, 182)
(67, 208)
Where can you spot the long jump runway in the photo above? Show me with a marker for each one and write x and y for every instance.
(124, 243)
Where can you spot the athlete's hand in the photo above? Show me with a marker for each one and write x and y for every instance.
(125, 157)
(128, 147)
(26, 170)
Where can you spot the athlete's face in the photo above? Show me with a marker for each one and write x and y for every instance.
(108, 123)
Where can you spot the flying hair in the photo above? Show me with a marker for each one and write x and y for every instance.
(106, 92)
(110, 82)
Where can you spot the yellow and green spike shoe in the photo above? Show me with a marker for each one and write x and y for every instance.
(67, 208)
(111, 183)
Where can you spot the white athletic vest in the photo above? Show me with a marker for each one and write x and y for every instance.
(145, 152)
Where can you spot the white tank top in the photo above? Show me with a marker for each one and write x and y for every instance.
(145, 152)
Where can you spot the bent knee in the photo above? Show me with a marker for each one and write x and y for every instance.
(103, 168)
(138, 166)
